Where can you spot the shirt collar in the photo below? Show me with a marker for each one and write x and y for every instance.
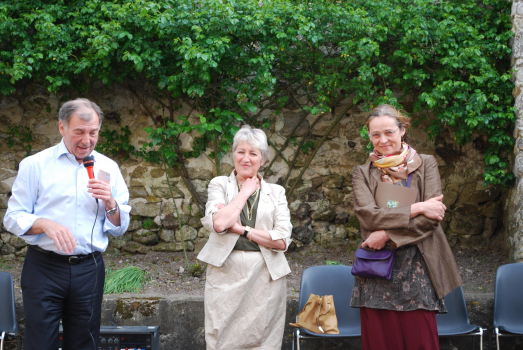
(62, 149)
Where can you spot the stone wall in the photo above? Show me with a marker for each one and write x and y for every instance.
(513, 209)
(181, 321)
(321, 205)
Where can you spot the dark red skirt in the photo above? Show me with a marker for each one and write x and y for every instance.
(398, 330)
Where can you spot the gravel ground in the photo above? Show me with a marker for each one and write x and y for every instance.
(169, 273)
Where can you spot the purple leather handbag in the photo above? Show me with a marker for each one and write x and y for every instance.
(373, 263)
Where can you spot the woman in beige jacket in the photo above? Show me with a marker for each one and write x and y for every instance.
(399, 314)
(249, 221)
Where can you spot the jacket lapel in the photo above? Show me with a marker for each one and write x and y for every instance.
(376, 174)
(232, 188)
(264, 201)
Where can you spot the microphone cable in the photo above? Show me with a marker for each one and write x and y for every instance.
(96, 272)
(88, 163)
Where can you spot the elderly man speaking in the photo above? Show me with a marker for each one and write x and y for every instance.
(64, 214)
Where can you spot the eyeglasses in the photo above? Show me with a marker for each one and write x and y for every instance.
(388, 134)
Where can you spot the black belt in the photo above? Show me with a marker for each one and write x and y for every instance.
(71, 259)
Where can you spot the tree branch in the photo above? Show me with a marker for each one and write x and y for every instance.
(153, 115)
(187, 182)
(317, 148)
(291, 166)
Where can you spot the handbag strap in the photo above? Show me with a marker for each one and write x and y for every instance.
(408, 180)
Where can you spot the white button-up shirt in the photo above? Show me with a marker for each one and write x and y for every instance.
(52, 185)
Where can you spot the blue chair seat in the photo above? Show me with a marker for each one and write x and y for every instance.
(335, 280)
(513, 330)
(508, 301)
(456, 321)
(8, 323)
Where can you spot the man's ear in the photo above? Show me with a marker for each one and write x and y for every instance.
(61, 128)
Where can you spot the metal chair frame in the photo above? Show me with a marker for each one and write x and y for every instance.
(498, 334)
(480, 331)
(297, 335)
(3, 338)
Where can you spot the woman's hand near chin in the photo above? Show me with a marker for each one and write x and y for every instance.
(250, 185)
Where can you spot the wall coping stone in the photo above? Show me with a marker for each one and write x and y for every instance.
(181, 320)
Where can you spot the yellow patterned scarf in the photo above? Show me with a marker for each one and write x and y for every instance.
(396, 166)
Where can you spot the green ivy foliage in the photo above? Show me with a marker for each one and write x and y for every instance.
(246, 56)
(116, 143)
(21, 135)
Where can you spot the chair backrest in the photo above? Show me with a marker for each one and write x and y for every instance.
(335, 280)
(508, 300)
(7, 304)
(456, 320)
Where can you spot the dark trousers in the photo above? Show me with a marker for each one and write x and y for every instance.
(398, 330)
(52, 290)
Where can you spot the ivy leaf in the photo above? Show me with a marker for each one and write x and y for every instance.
(251, 107)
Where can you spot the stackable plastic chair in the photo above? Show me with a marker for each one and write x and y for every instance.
(456, 321)
(508, 301)
(335, 280)
(8, 324)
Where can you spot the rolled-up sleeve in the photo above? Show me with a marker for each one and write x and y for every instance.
(19, 217)
(121, 196)
(282, 228)
(216, 194)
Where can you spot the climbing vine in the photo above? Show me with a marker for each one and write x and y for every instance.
(240, 59)
(20, 135)
(116, 143)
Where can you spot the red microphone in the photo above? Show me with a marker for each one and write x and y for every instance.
(89, 165)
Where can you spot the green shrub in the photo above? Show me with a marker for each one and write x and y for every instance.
(241, 57)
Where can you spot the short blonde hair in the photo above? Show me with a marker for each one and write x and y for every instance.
(254, 137)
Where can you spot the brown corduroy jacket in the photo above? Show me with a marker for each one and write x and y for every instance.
(426, 233)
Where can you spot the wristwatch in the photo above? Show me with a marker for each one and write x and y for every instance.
(246, 232)
(112, 211)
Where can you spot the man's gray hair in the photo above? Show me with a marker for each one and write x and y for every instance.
(254, 137)
(84, 106)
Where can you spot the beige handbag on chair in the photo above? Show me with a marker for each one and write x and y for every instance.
(318, 315)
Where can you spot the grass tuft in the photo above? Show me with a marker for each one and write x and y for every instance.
(332, 262)
(129, 279)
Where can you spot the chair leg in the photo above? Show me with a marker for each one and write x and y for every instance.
(497, 337)
(2, 341)
(293, 338)
(297, 339)
(18, 347)
(480, 338)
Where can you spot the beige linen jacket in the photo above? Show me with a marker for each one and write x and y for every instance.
(426, 233)
(273, 215)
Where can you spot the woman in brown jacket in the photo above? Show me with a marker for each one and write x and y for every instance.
(400, 313)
